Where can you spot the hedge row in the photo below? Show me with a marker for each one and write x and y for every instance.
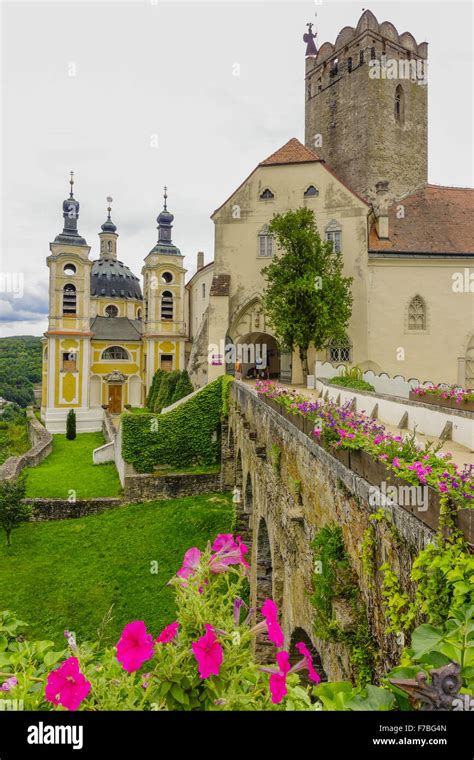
(168, 387)
(186, 436)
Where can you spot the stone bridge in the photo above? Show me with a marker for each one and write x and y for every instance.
(289, 488)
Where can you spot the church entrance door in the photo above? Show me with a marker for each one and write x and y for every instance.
(115, 399)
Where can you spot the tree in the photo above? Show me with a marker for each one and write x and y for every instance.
(12, 510)
(183, 388)
(162, 395)
(154, 389)
(173, 379)
(71, 425)
(307, 298)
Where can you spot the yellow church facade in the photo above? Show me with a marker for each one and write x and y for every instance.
(105, 338)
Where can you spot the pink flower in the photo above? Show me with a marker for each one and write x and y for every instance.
(10, 683)
(168, 633)
(270, 613)
(317, 432)
(227, 552)
(135, 646)
(66, 685)
(190, 564)
(278, 680)
(208, 653)
(396, 463)
(307, 662)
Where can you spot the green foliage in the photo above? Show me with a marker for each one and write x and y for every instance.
(162, 393)
(70, 468)
(334, 578)
(307, 298)
(444, 577)
(351, 382)
(12, 511)
(186, 436)
(183, 388)
(368, 545)
(67, 573)
(14, 439)
(154, 388)
(275, 456)
(342, 696)
(294, 487)
(71, 425)
(20, 368)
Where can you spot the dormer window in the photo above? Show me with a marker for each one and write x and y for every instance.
(311, 192)
(267, 195)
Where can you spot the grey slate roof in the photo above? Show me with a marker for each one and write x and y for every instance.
(116, 328)
(112, 279)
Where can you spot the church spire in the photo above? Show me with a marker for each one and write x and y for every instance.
(165, 225)
(70, 233)
(108, 236)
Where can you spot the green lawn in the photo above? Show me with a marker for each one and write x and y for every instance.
(70, 466)
(67, 574)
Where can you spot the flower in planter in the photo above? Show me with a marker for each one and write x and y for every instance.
(66, 685)
(227, 552)
(135, 646)
(306, 662)
(277, 680)
(270, 613)
(190, 564)
(208, 653)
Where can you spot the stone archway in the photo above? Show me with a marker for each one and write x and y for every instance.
(300, 635)
(255, 346)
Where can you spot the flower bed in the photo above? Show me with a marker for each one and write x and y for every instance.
(452, 397)
(377, 455)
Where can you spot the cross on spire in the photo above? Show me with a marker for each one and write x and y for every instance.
(109, 200)
(71, 182)
(165, 196)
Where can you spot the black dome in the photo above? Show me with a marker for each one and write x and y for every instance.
(112, 279)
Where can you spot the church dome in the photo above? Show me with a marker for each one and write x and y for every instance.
(112, 279)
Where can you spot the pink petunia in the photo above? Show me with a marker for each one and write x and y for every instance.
(396, 463)
(168, 633)
(270, 613)
(277, 681)
(307, 662)
(135, 646)
(227, 552)
(10, 683)
(190, 564)
(66, 685)
(208, 653)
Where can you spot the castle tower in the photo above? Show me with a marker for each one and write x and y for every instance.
(366, 106)
(66, 353)
(164, 295)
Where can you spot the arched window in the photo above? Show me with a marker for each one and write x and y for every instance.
(339, 351)
(349, 65)
(265, 243)
(167, 277)
(417, 314)
(69, 269)
(266, 195)
(166, 305)
(203, 289)
(69, 299)
(109, 246)
(399, 105)
(311, 192)
(115, 352)
(139, 313)
(334, 235)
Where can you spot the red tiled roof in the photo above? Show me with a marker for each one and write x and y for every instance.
(436, 219)
(292, 152)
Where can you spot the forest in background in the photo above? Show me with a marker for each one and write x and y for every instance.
(20, 368)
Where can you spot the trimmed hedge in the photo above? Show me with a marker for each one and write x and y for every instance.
(168, 387)
(186, 436)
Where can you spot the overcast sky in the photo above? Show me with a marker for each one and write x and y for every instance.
(165, 71)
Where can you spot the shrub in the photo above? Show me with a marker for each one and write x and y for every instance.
(71, 425)
(352, 382)
(12, 510)
(183, 388)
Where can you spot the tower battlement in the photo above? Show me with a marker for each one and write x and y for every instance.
(366, 106)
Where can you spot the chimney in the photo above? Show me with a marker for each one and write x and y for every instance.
(200, 260)
(381, 209)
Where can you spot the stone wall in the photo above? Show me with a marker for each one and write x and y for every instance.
(61, 509)
(41, 445)
(281, 524)
(141, 487)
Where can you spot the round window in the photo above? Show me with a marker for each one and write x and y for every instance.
(166, 277)
(111, 311)
(69, 269)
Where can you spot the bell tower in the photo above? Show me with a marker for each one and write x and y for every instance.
(164, 295)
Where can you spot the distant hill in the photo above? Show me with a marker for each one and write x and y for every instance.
(20, 368)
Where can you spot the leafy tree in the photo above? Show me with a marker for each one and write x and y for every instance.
(71, 425)
(307, 298)
(154, 389)
(184, 387)
(12, 510)
(162, 395)
(20, 368)
(172, 383)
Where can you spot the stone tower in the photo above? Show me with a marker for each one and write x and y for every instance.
(366, 106)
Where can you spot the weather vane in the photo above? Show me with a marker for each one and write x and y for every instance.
(71, 182)
(109, 200)
(165, 197)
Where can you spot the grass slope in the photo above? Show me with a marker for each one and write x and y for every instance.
(70, 466)
(67, 574)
